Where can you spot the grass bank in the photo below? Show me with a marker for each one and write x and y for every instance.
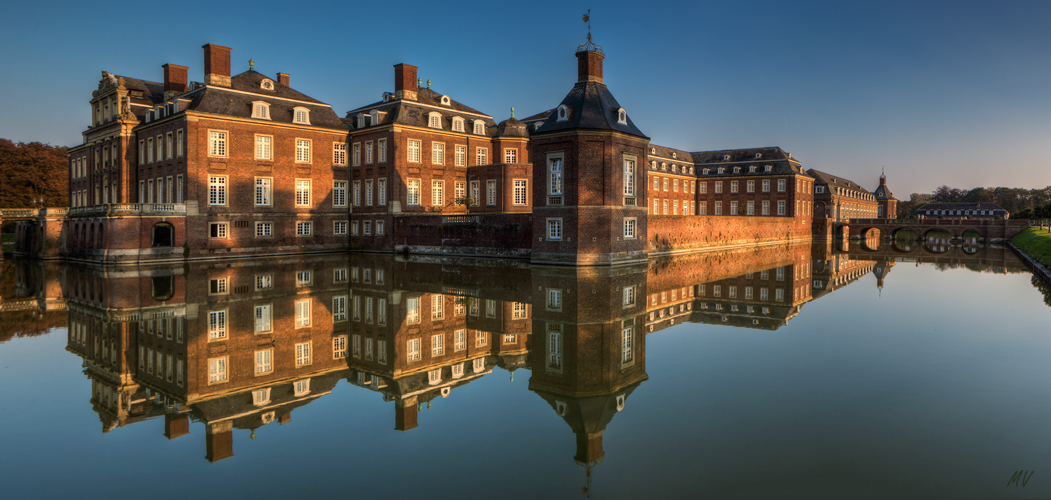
(1036, 243)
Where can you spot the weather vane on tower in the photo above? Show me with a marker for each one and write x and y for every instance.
(590, 46)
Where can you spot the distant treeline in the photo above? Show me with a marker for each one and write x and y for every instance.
(1020, 203)
(33, 175)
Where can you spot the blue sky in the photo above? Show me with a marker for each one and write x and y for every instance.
(939, 93)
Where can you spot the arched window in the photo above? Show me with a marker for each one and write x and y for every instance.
(562, 113)
(457, 124)
(434, 120)
(622, 118)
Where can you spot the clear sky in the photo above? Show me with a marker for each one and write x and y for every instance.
(954, 93)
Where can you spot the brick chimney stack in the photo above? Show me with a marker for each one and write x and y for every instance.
(405, 414)
(282, 78)
(405, 81)
(176, 425)
(589, 66)
(219, 441)
(216, 65)
(175, 80)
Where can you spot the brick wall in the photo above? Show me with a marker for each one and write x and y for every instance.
(672, 234)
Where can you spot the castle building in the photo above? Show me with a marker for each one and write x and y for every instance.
(240, 163)
(985, 211)
(838, 199)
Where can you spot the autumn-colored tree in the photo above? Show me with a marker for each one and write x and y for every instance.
(33, 175)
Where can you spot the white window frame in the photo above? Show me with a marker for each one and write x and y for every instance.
(217, 143)
(303, 192)
(301, 115)
(303, 149)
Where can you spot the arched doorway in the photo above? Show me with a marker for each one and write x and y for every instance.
(163, 235)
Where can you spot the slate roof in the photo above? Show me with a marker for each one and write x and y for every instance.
(777, 158)
(149, 93)
(590, 106)
(882, 193)
(666, 152)
(740, 155)
(961, 206)
(219, 100)
(512, 127)
(406, 112)
(832, 180)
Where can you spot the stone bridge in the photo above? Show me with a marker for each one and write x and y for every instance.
(988, 230)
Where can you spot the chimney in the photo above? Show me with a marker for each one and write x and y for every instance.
(282, 78)
(220, 441)
(405, 414)
(589, 447)
(175, 80)
(176, 425)
(216, 65)
(589, 66)
(405, 81)
(882, 180)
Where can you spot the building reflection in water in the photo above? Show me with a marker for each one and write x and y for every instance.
(240, 345)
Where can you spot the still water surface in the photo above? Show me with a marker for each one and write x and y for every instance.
(808, 371)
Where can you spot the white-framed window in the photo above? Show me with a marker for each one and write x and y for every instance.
(434, 120)
(302, 313)
(780, 185)
(460, 190)
(339, 347)
(629, 296)
(339, 193)
(457, 124)
(304, 278)
(479, 127)
(733, 186)
(264, 147)
(357, 193)
(461, 156)
(749, 186)
(490, 193)
(412, 310)
(476, 192)
(414, 151)
(303, 354)
(510, 155)
(302, 150)
(381, 150)
(704, 187)
(217, 370)
(437, 193)
(304, 228)
(413, 348)
(169, 151)
(733, 208)
(264, 317)
(368, 152)
(301, 115)
(216, 143)
(339, 227)
(339, 308)
(630, 228)
(263, 191)
(217, 286)
(563, 113)
(217, 325)
(554, 299)
(413, 191)
(339, 153)
(381, 192)
(303, 192)
(718, 208)
(780, 207)
(218, 230)
(555, 175)
(355, 157)
(437, 345)
(629, 176)
(179, 139)
(627, 341)
(519, 192)
(622, 116)
(264, 281)
(481, 156)
(264, 363)
(766, 185)
(438, 153)
(819, 189)
(749, 207)
(718, 187)
(554, 229)
(702, 208)
(261, 109)
(301, 388)
(766, 207)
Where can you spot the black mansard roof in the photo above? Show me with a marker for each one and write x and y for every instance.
(415, 113)
(589, 106)
(834, 181)
(245, 88)
(882, 193)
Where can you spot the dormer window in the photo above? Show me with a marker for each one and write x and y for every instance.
(664, 166)
(691, 170)
(536, 126)
(674, 155)
(458, 124)
(653, 151)
(721, 170)
(737, 170)
(479, 127)
(675, 168)
(445, 100)
(261, 110)
(622, 118)
(374, 117)
(704, 171)
(726, 157)
(301, 115)
(386, 97)
(562, 113)
(751, 169)
(769, 168)
(266, 84)
(758, 156)
(434, 120)
(653, 165)
(361, 121)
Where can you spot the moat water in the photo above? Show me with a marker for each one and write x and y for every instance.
(876, 370)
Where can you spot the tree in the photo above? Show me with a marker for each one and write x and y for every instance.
(33, 175)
